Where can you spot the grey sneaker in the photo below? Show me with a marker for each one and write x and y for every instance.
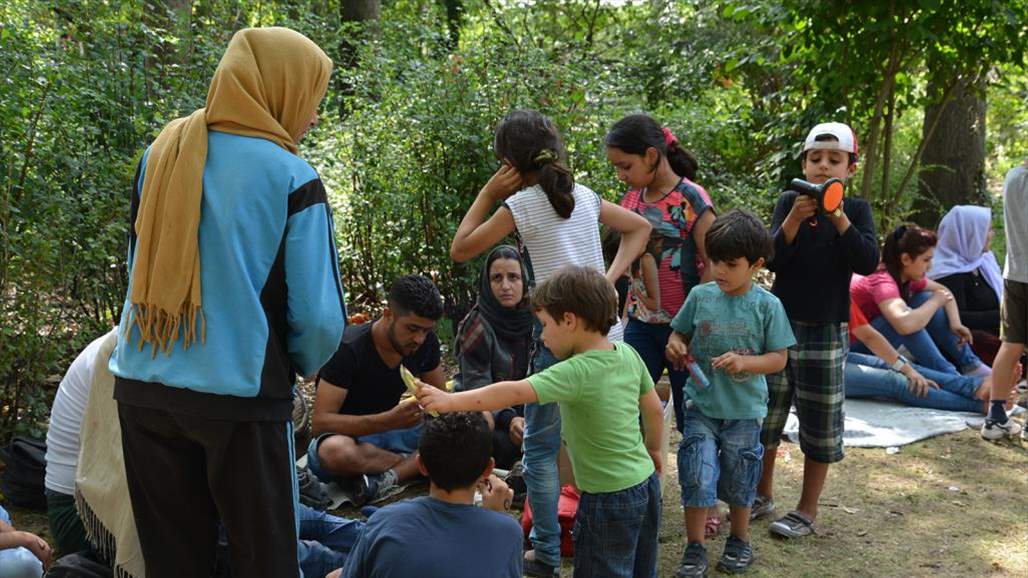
(737, 557)
(762, 507)
(371, 488)
(793, 525)
(993, 430)
(694, 562)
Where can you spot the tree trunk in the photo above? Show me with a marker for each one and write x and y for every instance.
(170, 17)
(366, 13)
(953, 162)
(360, 10)
(454, 19)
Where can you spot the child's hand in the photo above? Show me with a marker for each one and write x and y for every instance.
(505, 182)
(676, 351)
(839, 219)
(38, 546)
(803, 208)
(496, 494)
(730, 362)
(658, 462)
(433, 399)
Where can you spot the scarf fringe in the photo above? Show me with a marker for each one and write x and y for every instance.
(161, 329)
(99, 536)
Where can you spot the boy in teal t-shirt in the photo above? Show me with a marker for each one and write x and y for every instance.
(736, 332)
(602, 389)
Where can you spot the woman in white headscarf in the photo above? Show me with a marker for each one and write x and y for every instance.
(965, 265)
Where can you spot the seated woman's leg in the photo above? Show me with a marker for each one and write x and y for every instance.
(918, 345)
(946, 340)
(962, 385)
(868, 376)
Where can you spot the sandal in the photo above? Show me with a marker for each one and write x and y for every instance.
(793, 525)
(712, 527)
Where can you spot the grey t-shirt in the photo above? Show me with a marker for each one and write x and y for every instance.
(1015, 219)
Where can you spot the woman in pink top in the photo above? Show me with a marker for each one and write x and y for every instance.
(913, 312)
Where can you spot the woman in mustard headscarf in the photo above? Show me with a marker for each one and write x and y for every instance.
(234, 289)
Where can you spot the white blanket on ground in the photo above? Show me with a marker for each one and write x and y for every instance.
(881, 424)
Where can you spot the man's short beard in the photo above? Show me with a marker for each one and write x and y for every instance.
(393, 342)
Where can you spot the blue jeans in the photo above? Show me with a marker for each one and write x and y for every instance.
(399, 441)
(542, 444)
(719, 458)
(933, 347)
(18, 562)
(869, 376)
(325, 541)
(616, 532)
(650, 340)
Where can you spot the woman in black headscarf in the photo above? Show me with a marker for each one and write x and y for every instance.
(494, 344)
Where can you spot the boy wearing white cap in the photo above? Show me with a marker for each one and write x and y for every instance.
(815, 254)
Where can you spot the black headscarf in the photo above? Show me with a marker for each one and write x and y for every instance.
(509, 323)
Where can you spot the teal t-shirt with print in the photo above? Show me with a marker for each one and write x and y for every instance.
(753, 323)
(598, 392)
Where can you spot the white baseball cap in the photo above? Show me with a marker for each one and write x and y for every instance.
(847, 141)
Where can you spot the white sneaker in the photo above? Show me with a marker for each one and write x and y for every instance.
(993, 431)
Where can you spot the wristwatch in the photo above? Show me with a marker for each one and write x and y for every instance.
(899, 363)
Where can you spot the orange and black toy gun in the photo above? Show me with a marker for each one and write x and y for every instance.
(828, 195)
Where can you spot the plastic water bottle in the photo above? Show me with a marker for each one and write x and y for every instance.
(699, 378)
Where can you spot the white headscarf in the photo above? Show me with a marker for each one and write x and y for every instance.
(963, 233)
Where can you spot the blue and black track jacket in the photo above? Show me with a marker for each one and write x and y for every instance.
(270, 286)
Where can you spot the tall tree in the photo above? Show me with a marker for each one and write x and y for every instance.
(953, 161)
(361, 18)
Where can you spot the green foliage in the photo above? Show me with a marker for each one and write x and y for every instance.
(405, 139)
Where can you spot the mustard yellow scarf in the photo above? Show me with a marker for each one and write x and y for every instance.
(269, 84)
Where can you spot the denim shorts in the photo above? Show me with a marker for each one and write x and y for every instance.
(719, 458)
(399, 441)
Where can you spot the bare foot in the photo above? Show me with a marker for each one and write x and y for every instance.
(985, 389)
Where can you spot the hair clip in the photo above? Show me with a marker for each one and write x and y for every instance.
(545, 157)
(669, 137)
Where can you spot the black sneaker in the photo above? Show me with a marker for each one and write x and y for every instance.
(537, 569)
(737, 557)
(694, 562)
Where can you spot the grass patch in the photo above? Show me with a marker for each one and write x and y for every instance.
(953, 505)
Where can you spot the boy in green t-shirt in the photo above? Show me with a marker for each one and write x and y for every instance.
(737, 332)
(602, 389)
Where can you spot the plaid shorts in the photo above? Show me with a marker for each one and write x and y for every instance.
(813, 379)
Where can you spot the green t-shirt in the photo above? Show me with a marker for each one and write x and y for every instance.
(599, 393)
(750, 324)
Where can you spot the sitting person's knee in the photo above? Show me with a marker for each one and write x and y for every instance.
(339, 454)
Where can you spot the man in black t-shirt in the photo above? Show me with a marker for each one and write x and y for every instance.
(365, 436)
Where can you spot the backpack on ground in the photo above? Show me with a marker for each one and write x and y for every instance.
(24, 471)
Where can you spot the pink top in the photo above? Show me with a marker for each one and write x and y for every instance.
(868, 292)
(673, 216)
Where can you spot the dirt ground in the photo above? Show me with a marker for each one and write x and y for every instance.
(949, 506)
